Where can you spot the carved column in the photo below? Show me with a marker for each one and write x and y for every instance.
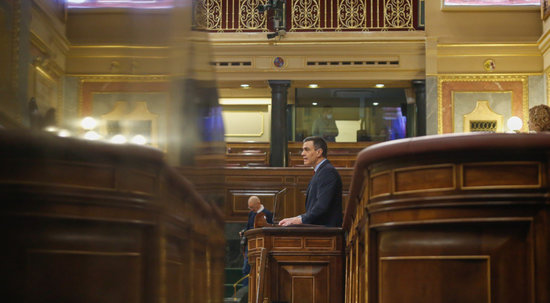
(279, 140)
(420, 91)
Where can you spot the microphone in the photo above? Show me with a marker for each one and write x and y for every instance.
(276, 200)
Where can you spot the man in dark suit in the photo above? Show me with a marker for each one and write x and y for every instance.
(255, 207)
(324, 193)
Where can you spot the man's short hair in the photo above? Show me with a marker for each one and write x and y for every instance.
(318, 142)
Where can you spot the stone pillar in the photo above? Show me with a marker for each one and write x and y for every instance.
(420, 92)
(279, 139)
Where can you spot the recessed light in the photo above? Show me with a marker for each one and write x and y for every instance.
(375, 103)
(244, 85)
(313, 85)
(379, 85)
(314, 103)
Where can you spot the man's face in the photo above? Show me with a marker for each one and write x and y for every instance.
(310, 155)
(253, 205)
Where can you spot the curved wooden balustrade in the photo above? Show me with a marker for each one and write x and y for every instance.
(92, 222)
(454, 218)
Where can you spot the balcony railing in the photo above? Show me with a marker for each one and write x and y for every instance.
(310, 15)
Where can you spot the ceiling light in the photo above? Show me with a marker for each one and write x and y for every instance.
(379, 85)
(313, 85)
(244, 85)
(375, 103)
(314, 103)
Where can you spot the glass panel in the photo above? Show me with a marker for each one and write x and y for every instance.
(344, 115)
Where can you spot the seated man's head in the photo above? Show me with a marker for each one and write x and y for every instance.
(327, 112)
(539, 118)
(254, 203)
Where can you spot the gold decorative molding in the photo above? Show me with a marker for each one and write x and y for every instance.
(483, 112)
(306, 14)
(398, 14)
(118, 46)
(261, 124)
(122, 78)
(208, 14)
(249, 16)
(475, 78)
(352, 14)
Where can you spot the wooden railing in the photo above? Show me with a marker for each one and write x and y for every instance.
(462, 217)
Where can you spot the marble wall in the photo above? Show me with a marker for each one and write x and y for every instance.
(450, 97)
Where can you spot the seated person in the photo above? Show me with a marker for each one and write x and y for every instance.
(256, 207)
(325, 126)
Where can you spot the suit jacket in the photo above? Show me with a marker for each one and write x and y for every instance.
(252, 216)
(324, 197)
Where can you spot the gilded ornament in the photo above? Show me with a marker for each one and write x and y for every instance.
(351, 14)
(398, 14)
(306, 14)
(249, 16)
(489, 65)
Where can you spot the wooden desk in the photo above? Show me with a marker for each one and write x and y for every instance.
(94, 222)
(458, 218)
(302, 264)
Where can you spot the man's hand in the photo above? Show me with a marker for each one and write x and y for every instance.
(290, 221)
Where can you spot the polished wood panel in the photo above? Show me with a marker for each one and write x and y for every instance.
(341, 154)
(424, 178)
(265, 182)
(247, 159)
(337, 159)
(488, 175)
(425, 279)
(93, 222)
(462, 218)
(304, 264)
(381, 184)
